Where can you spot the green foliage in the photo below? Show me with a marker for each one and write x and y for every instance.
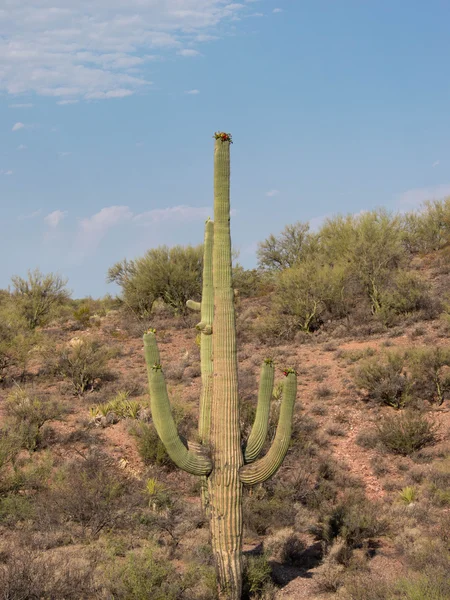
(405, 294)
(353, 519)
(150, 447)
(28, 414)
(84, 364)
(38, 296)
(405, 432)
(384, 379)
(144, 575)
(170, 274)
(292, 245)
(303, 296)
(408, 495)
(426, 586)
(247, 283)
(120, 405)
(257, 578)
(430, 372)
(16, 339)
(429, 229)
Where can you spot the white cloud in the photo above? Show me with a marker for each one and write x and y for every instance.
(272, 193)
(73, 49)
(93, 229)
(187, 52)
(17, 126)
(192, 92)
(414, 198)
(25, 105)
(277, 10)
(435, 164)
(31, 215)
(54, 218)
(64, 154)
(21, 147)
(8, 172)
(64, 102)
(181, 212)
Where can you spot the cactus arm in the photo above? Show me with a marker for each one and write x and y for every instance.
(265, 467)
(193, 305)
(192, 460)
(261, 424)
(205, 326)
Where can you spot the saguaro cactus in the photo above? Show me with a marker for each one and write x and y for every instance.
(225, 463)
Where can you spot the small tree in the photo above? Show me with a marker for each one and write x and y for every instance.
(305, 293)
(284, 251)
(39, 295)
(169, 274)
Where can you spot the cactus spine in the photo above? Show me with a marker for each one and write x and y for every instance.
(222, 462)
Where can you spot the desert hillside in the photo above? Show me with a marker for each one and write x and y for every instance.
(91, 507)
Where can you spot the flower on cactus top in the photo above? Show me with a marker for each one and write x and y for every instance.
(225, 137)
(289, 371)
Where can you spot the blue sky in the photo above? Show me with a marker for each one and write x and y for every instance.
(107, 111)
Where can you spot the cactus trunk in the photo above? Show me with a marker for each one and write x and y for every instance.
(220, 460)
(225, 487)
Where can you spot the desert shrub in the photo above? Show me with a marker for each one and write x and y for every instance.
(28, 414)
(433, 585)
(430, 372)
(303, 296)
(146, 575)
(27, 575)
(170, 274)
(370, 245)
(384, 379)
(285, 546)
(257, 580)
(405, 432)
(39, 295)
(267, 507)
(16, 340)
(429, 229)
(354, 520)
(150, 448)
(84, 364)
(284, 251)
(247, 283)
(86, 492)
(15, 508)
(406, 293)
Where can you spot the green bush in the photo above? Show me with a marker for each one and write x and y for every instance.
(426, 586)
(284, 251)
(150, 448)
(407, 293)
(28, 414)
(354, 520)
(16, 340)
(173, 275)
(38, 296)
(146, 575)
(257, 578)
(405, 432)
(84, 364)
(384, 379)
(303, 296)
(430, 372)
